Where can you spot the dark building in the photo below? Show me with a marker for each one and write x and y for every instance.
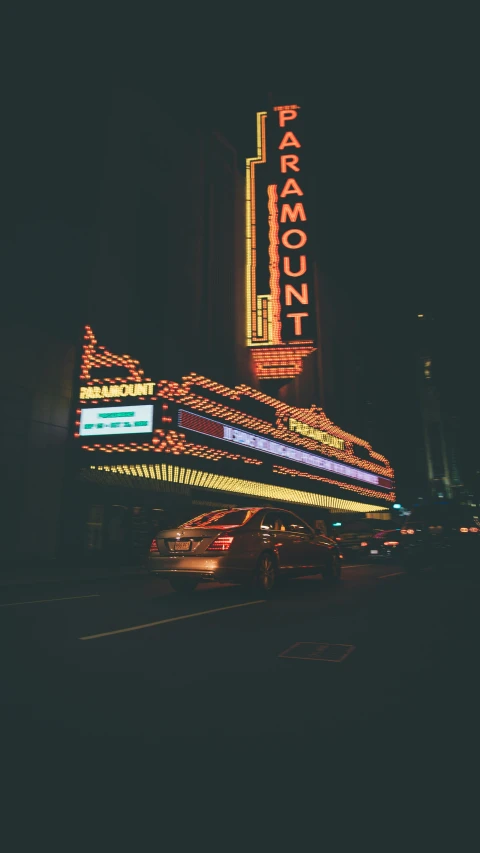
(144, 359)
(156, 268)
(169, 256)
(440, 432)
(45, 265)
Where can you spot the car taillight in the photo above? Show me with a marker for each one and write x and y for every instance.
(391, 543)
(409, 530)
(221, 543)
(473, 529)
(404, 532)
(363, 544)
(338, 538)
(153, 546)
(464, 530)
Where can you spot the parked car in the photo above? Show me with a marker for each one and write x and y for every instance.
(256, 545)
(350, 538)
(441, 535)
(385, 545)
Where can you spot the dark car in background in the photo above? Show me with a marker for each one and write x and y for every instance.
(385, 545)
(249, 545)
(352, 537)
(442, 535)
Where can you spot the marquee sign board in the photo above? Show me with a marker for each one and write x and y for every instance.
(116, 420)
(281, 326)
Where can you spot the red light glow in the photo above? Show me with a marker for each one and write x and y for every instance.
(221, 543)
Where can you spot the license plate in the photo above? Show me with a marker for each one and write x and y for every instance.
(373, 552)
(182, 546)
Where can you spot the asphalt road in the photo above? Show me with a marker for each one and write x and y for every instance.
(131, 659)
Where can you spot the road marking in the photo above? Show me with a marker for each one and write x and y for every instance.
(45, 600)
(172, 619)
(331, 652)
(392, 575)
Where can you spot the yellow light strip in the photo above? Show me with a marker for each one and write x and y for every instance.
(205, 480)
(250, 223)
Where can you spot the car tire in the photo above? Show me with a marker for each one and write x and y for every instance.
(333, 573)
(265, 578)
(183, 585)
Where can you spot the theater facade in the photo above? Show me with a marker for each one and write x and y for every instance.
(149, 452)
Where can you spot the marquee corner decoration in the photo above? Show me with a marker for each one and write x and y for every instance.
(281, 329)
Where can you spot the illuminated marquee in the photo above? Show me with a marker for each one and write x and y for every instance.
(279, 275)
(237, 438)
(276, 448)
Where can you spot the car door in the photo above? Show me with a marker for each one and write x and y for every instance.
(300, 543)
(277, 522)
(310, 549)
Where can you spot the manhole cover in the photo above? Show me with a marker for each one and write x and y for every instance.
(333, 652)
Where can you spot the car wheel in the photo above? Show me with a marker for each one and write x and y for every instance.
(183, 585)
(333, 574)
(266, 573)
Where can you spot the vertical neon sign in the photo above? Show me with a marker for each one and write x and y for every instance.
(280, 317)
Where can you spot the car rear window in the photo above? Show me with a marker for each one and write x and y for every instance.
(221, 518)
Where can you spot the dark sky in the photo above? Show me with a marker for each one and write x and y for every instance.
(391, 103)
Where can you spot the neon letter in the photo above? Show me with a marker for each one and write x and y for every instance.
(286, 115)
(297, 319)
(286, 239)
(291, 188)
(302, 270)
(287, 161)
(294, 214)
(290, 291)
(288, 140)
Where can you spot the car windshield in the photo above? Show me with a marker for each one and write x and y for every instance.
(221, 518)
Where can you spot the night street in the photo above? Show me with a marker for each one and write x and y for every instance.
(73, 669)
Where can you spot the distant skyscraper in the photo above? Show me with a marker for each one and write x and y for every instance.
(439, 441)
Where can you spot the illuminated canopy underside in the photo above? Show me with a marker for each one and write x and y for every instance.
(219, 482)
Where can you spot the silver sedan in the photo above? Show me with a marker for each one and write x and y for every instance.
(250, 545)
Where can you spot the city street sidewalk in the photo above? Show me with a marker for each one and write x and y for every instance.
(22, 576)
